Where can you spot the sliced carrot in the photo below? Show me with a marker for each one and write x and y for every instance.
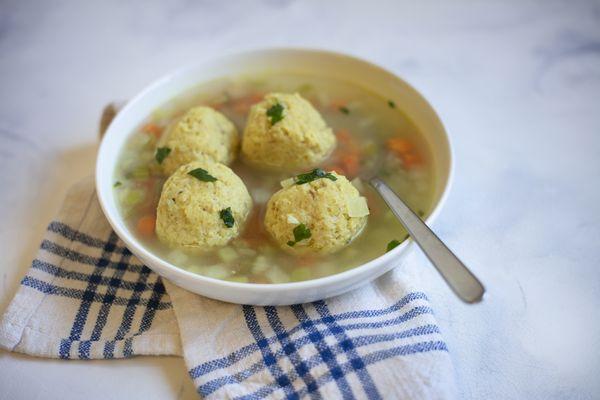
(152, 129)
(351, 164)
(256, 97)
(410, 159)
(399, 146)
(243, 104)
(146, 224)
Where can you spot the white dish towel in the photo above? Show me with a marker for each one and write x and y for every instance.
(87, 297)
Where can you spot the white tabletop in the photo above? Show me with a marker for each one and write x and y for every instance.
(517, 86)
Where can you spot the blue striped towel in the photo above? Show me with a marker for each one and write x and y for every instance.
(87, 297)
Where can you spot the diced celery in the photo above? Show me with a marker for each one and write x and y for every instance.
(159, 114)
(301, 274)
(132, 197)
(140, 172)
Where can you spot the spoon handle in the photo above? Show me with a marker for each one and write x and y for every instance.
(457, 275)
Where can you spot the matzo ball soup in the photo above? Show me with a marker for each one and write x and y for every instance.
(373, 135)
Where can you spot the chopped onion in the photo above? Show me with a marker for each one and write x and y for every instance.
(292, 220)
(276, 275)
(227, 254)
(261, 264)
(260, 195)
(357, 207)
(216, 271)
(287, 182)
(177, 257)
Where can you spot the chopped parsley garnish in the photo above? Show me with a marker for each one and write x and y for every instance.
(161, 154)
(117, 184)
(227, 217)
(344, 110)
(392, 245)
(275, 113)
(391, 104)
(315, 174)
(301, 232)
(202, 174)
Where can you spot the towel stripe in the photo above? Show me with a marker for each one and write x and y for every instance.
(78, 294)
(382, 355)
(74, 235)
(268, 358)
(316, 360)
(291, 352)
(317, 354)
(318, 340)
(87, 298)
(364, 340)
(73, 255)
(344, 340)
(83, 277)
(238, 355)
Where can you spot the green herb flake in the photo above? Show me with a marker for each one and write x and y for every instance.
(301, 232)
(344, 110)
(227, 217)
(161, 154)
(117, 184)
(421, 213)
(391, 104)
(392, 245)
(202, 175)
(275, 113)
(315, 174)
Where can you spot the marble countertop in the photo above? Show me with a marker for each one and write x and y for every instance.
(517, 85)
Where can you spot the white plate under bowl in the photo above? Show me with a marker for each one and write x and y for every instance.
(317, 62)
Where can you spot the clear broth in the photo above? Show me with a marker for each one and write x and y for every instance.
(364, 123)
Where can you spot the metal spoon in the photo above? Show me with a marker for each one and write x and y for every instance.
(462, 281)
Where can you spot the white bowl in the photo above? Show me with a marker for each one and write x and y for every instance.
(319, 62)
